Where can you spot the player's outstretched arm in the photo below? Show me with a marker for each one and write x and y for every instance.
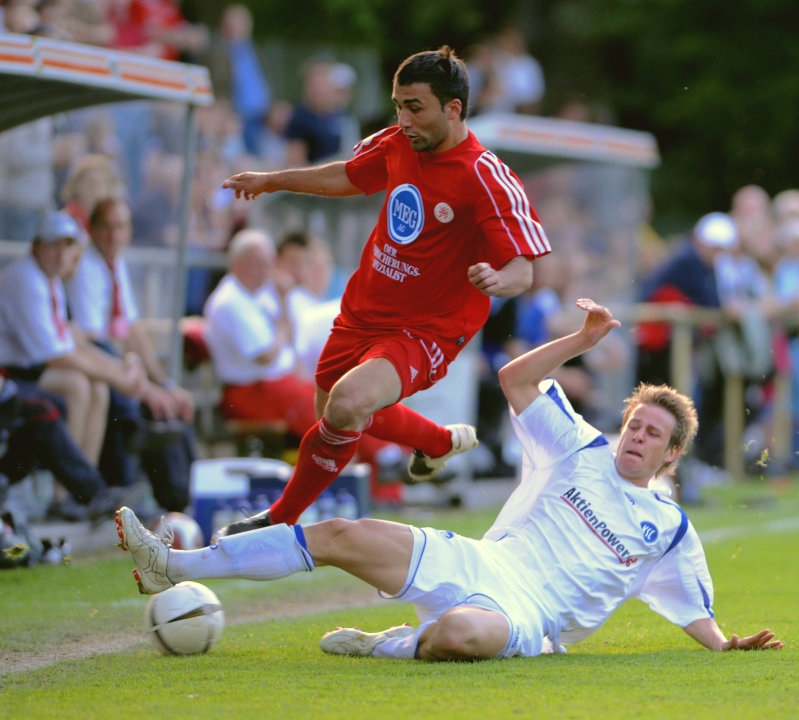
(330, 180)
(706, 632)
(521, 376)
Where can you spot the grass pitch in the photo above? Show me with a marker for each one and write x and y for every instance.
(72, 643)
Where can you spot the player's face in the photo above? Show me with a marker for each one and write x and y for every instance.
(645, 444)
(420, 116)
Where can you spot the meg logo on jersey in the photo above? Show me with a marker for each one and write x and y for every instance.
(405, 214)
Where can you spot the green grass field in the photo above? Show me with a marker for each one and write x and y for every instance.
(77, 633)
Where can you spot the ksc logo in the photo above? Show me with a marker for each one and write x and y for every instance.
(405, 214)
(649, 531)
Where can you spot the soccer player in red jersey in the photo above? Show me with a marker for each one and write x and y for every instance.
(455, 229)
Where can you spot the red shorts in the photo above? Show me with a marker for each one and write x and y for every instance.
(418, 362)
(289, 398)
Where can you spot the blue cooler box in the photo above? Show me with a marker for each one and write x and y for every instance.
(226, 489)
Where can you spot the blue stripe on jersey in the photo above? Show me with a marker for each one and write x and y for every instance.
(553, 393)
(598, 441)
(706, 600)
(680, 534)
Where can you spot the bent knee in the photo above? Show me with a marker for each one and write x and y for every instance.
(465, 633)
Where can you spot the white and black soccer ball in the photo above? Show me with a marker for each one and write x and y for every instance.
(185, 619)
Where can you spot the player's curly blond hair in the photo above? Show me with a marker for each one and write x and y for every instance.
(681, 408)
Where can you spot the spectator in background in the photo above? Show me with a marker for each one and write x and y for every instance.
(316, 129)
(90, 179)
(21, 16)
(785, 206)
(751, 211)
(688, 276)
(512, 79)
(249, 339)
(104, 308)
(786, 287)
(37, 344)
(238, 76)
(156, 28)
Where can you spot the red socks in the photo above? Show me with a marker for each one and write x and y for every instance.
(399, 424)
(324, 452)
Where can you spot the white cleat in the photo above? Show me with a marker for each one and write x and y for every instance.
(423, 468)
(149, 551)
(352, 641)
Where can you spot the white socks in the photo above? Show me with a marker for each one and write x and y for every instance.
(264, 554)
(400, 648)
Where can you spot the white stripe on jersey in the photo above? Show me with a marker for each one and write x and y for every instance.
(532, 231)
(371, 142)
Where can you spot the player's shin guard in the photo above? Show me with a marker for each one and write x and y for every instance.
(269, 553)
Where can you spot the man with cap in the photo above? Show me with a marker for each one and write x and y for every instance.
(688, 276)
(37, 344)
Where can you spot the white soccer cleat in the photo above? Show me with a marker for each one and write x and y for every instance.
(352, 641)
(422, 468)
(149, 551)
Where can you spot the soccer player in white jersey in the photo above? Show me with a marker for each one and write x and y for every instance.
(456, 228)
(580, 535)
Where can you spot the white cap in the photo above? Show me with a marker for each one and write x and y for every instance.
(58, 225)
(716, 229)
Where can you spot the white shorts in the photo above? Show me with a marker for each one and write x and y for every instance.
(448, 570)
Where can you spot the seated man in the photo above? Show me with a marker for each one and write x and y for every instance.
(38, 346)
(249, 339)
(102, 305)
(503, 596)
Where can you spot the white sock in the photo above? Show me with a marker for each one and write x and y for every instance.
(400, 648)
(263, 554)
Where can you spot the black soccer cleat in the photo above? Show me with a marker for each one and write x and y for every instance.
(261, 520)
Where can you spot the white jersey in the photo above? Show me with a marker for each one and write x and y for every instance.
(240, 326)
(90, 293)
(572, 543)
(587, 538)
(33, 324)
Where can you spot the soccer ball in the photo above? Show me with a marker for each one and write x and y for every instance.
(185, 619)
(188, 534)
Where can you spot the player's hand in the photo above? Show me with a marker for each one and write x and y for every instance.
(764, 640)
(599, 321)
(484, 278)
(247, 185)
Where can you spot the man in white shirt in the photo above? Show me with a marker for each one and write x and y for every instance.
(102, 304)
(37, 344)
(580, 535)
(249, 340)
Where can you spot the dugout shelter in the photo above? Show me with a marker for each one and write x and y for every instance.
(40, 77)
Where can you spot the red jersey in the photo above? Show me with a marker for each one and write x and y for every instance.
(443, 212)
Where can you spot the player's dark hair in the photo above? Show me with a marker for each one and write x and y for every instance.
(444, 71)
(678, 405)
